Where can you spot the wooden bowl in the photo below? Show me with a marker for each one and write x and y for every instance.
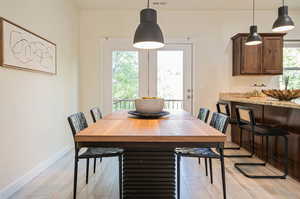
(282, 95)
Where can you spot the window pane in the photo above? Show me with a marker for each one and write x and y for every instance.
(125, 78)
(291, 61)
(291, 57)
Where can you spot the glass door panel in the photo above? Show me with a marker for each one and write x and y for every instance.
(125, 79)
(170, 78)
(129, 73)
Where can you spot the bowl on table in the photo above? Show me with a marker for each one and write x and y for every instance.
(149, 105)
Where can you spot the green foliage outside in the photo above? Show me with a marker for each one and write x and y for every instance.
(124, 77)
(291, 59)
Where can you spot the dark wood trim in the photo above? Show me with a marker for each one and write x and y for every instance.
(17, 67)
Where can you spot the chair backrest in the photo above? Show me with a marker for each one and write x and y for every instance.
(213, 119)
(223, 107)
(220, 122)
(203, 114)
(96, 114)
(77, 122)
(245, 115)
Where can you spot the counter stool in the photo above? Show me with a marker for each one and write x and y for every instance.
(246, 121)
(223, 107)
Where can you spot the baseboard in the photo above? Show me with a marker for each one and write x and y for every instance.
(15, 186)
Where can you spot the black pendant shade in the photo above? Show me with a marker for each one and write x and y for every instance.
(284, 22)
(253, 38)
(148, 34)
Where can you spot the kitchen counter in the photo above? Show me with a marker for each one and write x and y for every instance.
(239, 97)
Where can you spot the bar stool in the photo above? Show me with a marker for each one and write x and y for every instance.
(223, 107)
(246, 121)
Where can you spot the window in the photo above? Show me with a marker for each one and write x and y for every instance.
(291, 66)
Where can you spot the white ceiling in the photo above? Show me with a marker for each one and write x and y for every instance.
(187, 4)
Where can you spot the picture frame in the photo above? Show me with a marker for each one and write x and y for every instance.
(24, 50)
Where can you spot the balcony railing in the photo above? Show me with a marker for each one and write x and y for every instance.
(128, 104)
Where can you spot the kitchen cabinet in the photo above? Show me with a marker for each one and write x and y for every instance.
(264, 59)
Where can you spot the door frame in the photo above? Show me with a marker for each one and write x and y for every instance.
(110, 44)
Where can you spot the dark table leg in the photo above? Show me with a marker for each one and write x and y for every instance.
(149, 174)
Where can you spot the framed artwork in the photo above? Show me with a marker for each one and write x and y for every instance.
(22, 49)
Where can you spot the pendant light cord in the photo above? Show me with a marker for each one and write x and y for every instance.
(148, 5)
(253, 11)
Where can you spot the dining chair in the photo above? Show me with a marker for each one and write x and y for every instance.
(219, 122)
(96, 114)
(77, 123)
(203, 116)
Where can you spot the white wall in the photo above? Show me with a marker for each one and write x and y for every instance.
(210, 30)
(34, 106)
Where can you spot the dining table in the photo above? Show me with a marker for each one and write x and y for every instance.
(149, 158)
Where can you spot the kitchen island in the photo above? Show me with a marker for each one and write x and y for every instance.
(273, 113)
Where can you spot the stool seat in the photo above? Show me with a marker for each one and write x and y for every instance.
(263, 130)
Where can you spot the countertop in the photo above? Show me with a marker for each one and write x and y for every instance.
(238, 97)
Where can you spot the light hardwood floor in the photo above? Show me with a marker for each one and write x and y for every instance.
(56, 182)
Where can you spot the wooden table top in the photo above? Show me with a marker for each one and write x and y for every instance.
(178, 127)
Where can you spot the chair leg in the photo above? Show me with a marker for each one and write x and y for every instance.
(100, 159)
(75, 174)
(87, 170)
(206, 173)
(178, 176)
(223, 172)
(199, 160)
(95, 162)
(211, 171)
(120, 176)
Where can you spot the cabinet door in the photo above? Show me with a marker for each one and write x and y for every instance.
(272, 55)
(251, 59)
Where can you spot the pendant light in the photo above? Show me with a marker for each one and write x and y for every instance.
(148, 34)
(284, 22)
(253, 38)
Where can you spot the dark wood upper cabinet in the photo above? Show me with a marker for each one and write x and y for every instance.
(265, 59)
(273, 55)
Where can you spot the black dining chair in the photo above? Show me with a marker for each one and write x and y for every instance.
(203, 116)
(96, 114)
(219, 122)
(247, 122)
(78, 123)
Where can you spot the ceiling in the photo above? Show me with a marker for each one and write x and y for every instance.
(191, 5)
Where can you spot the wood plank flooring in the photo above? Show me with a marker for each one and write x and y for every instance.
(56, 182)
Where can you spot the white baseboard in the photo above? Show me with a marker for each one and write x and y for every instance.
(15, 186)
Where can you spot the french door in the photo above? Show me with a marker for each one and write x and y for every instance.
(130, 73)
